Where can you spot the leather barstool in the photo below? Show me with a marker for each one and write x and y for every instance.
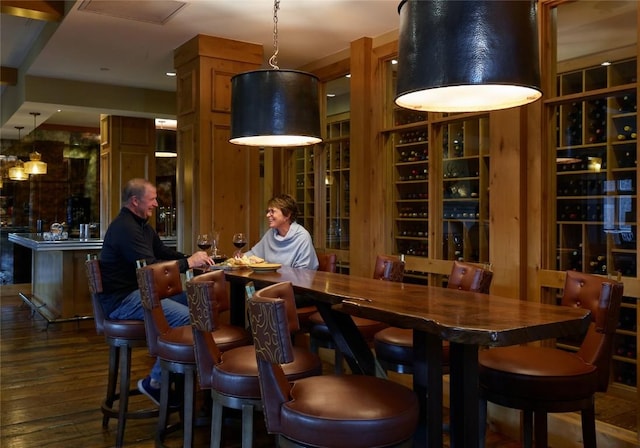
(232, 375)
(539, 380)
(394, 346)
(121, 337)
(338, 411)
(387, 267)
(327, 262)
(174, 345)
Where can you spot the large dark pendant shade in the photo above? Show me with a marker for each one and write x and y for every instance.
(467, 56)
(275, 108)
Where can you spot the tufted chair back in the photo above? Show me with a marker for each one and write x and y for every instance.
(204, 292)
(388, 267)
(94, 278)
(602, 297)
(468, 277)
(157, 281)
(327, 262)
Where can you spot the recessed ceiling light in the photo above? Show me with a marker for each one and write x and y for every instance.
(394, 61)
(171, 74)
(348, 75)
(605, 63)
(330, 95)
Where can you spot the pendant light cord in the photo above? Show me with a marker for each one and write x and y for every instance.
(273, 60)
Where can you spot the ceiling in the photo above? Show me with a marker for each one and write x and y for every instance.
(99, 45)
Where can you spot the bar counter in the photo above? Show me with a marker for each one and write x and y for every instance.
(59, 290)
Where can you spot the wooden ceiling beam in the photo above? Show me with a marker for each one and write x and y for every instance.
(49, 10)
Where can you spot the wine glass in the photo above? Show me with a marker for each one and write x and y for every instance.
(239, 240)
(215, 237)
(205, 242)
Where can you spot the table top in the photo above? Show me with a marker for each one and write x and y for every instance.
(453, 315)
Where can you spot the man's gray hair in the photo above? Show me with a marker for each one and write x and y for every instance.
(134, 188)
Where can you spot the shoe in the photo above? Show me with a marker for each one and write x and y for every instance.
(153, 393)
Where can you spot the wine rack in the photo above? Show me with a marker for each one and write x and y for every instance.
(305, 186)
(596, 188)
(410, 142)
(336, 181)
(465, 199)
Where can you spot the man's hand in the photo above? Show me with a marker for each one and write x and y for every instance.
(200, 258)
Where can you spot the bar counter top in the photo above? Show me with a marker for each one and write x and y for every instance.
(37, 243)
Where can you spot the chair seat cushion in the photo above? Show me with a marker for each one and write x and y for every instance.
(395, 345)
(176, 345)
(237, 373)
(367, 327)
(353, 411)
(230, 336)
(536, 373)
(124, 329)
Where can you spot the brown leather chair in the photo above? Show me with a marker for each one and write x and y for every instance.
(389, 268)
(338, 411)
(327, 262)
(121, 337)
(232, 375)
(174, 345)
(539, 380)
(394, 346)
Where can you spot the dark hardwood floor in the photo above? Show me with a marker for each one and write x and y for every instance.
(53, 379)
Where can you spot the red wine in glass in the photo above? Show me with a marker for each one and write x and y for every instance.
(239, 240)
(204, 242)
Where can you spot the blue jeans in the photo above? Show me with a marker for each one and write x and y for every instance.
(176, 311)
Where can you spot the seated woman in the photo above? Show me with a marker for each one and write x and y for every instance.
(286, 242)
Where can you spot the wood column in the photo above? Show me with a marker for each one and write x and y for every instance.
(217, 182)
(127, 150)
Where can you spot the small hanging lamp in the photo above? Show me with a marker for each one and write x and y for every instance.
(467, 55)
(16, 172)
(273, 107)
(35, 165)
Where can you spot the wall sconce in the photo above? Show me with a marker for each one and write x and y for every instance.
(273, 107)
(35, 165)
(467, 56)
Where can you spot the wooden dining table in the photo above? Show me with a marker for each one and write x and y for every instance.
(467, 320)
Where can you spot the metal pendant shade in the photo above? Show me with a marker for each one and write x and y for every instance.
(275, 108)
(467, 56)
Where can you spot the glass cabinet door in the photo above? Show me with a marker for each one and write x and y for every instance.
(305, 187)
(465, 182)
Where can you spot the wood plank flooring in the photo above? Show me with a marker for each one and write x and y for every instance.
(53, 379)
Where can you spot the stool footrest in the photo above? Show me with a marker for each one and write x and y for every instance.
(113, 412)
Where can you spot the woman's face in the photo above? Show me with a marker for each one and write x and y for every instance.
(276, 218)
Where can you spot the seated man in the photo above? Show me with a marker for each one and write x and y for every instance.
(130, 238)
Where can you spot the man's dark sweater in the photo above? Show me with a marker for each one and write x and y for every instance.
(129, 238)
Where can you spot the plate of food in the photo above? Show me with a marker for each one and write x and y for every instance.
(265, 267)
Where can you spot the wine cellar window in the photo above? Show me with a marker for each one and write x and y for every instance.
(465, 181)
(304, 159)
(596, 176)
(336, 175)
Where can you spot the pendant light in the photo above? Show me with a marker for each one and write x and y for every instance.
(35, 165)
(16, 172)
(467, 55)
(273, 107)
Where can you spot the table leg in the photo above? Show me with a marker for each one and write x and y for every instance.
(237, 313)
(348, 339)
(465, 396)
(427, 384)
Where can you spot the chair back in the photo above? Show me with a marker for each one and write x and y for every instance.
(388, 267)
(203, 292)
(157, 281)
(94, 278)
(469, 277)
(602, 297)
(327, 262)
(270, 317)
